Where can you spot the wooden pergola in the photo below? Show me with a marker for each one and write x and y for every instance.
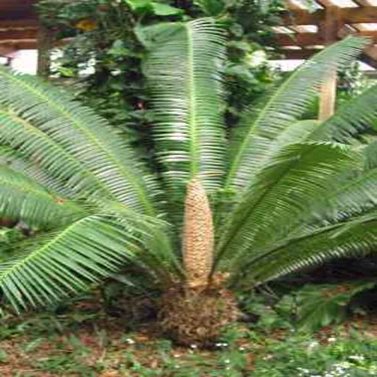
(304, 31)
(18, 25)
(20, 30)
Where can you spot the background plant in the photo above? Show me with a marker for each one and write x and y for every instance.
(107, 43)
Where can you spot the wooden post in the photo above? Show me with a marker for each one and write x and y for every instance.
(44, 44)
(327, 97)
(329, 29)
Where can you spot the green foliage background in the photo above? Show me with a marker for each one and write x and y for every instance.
(107, 38)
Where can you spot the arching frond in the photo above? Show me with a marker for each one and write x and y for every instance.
(23, 199)
(280, 194)
(72, 259)
(183, 69)
(353, 195)
(16, 161)
(33, 112)
(355, 237)
(354, 116)
(39, 149)
(370, 153)
(254, 139)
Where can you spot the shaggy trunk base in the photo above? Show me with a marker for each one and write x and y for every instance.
(196, 317)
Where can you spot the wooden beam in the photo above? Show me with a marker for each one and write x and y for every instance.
(298, 54)
(368, 60)
(371, 52)
(302, 17)
(5, 51)
(25, 23)
(312, 39)
(327, 97)
(18, 34)
(26, 44)
(348, 15)
(364, 2)
(358, 15)
(18, 14)
(45, 43)
(329, 29)
(299, 39)
(369, 55)
(291, 4)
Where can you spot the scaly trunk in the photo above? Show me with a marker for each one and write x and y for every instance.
(198, 236)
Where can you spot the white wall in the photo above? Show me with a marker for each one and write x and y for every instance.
(25, 61)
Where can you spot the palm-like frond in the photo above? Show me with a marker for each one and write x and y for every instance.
(254, 139)
(15, 161)
(70, 141)
(370, 153)
(40, 149)
(73, 258)
(355, 237)
(352, 196)
(23, 199)
(183, 69)
(280, 194)
(354, 116)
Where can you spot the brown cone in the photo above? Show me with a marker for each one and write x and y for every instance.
(198, 236)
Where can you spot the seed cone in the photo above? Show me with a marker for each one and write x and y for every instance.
(198, 236)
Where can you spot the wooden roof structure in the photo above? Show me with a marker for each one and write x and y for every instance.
(305, 30)
(18, 25)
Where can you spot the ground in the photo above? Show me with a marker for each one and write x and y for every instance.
(85, 341)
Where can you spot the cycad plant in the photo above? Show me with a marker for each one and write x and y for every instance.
(222, 210)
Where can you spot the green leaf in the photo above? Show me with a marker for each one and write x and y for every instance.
(70, 260)
(73, 144)
(165, 9)
(184, 74)
(118, 49)
(323, 305)
(159, 9)
(211, 7)
(139, 5)
(23, 199)
(353, 117)
(253, 140)
(279, 196)
(355, 237)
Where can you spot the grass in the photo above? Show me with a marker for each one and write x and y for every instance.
(84, 341)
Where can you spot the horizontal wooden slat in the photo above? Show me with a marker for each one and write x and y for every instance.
(299, 39)
(369, 56)
(338, 3)
(311, 39)
(297, 54)
(5, 51)
(22, 24)
(348, 15)
(17, 34)
(302, 17)
(18, 14)
(26, 44)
